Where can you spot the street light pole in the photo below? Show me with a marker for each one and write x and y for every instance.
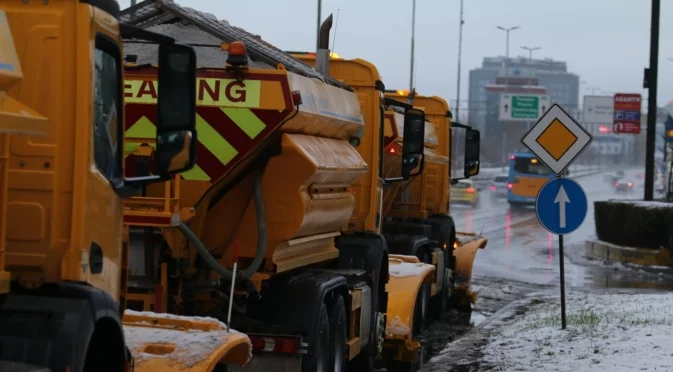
(530, 62)
(507, 31)
(460, 51)
(652, 102)
(530, 72)
(413, 34)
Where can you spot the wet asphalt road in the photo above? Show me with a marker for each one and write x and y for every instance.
(521, 250)
(522, 257)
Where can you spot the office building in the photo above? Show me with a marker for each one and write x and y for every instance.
(520, 75)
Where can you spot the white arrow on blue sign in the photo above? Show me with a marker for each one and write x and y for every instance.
(561, 206)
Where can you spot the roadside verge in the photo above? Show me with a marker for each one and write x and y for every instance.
(466, 351)
(616, 331)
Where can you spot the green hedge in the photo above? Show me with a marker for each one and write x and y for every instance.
(635, 223)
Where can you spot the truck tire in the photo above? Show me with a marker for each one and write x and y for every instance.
(319, 362)
(337, 334)
(421, 314)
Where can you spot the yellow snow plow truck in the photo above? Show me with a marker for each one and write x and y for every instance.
(62, 253)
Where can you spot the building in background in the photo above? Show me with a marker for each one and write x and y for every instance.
(518, 75)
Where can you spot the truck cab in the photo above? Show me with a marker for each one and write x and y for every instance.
(62, 183)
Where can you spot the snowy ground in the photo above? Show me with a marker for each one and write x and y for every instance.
(605, 332)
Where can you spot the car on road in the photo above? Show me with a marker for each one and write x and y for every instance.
(499, 186)
(464, 192)
(623, 186)
(614, 177)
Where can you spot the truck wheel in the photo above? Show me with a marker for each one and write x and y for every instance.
(421, 309)
(319, 362)
(441, 302)
(337, 334)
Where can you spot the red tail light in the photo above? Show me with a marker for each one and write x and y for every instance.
(616, 184)
(272, 344)
(469, 190)
(296, 97)
(509, 186)
(493, 187)
(392, 150)
(630, 184)
(511, 157)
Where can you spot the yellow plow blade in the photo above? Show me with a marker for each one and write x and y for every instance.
(467, 246)
(166, 342)
(407, 274)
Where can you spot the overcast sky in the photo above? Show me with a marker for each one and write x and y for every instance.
(605, 42)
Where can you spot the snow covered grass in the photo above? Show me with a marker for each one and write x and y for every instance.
(608, 332)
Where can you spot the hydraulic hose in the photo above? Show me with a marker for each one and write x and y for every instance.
(261, 225)
(208, 258)
(204, 252)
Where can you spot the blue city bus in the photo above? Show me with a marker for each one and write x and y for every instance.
(527, 175)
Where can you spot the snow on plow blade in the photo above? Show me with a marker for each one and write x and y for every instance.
(467, 246)
(407, 274)
(166, 342)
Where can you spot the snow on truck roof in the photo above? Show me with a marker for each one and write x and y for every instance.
(205, 33)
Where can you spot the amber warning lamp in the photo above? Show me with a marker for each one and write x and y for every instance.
(238, 55)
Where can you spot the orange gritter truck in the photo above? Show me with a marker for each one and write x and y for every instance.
(63, 256)
(277, 229)
(287, 186)
(424, 203)
(416, 226)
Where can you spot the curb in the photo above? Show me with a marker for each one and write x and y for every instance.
(591, 173)
(638, 256)
(466, 348)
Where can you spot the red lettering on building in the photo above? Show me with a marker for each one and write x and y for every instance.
(235, 95)
(205, 87)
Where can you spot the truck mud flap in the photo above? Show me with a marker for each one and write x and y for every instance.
(166, 342)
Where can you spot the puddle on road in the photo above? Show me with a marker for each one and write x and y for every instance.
(605, 274)
(614, 279)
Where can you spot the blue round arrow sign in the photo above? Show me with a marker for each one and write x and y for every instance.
(561, 206)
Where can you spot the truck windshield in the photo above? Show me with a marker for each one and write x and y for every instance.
(531, 166)
(107, 108)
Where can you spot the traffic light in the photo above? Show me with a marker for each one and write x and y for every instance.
(603, 129)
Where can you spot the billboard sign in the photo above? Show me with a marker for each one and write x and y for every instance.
(627, 113)
(598, 109)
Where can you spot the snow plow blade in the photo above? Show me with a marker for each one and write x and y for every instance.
(166, 342)
(407, 274)
(466, 250)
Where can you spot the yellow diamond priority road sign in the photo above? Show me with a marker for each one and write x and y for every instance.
(557, 139)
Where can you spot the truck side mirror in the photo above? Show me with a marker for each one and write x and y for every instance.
(176, 123)
(472, 144)
(413, 145)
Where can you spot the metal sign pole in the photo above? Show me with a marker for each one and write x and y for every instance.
(561, 204)
(563, 283)
(561, 255)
